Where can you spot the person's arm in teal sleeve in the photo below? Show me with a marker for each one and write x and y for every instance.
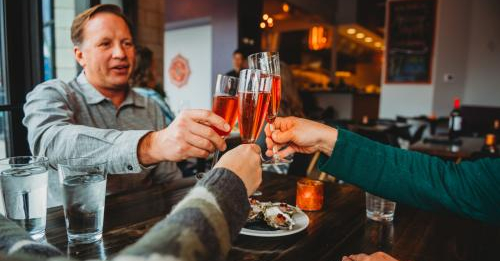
(469, 188)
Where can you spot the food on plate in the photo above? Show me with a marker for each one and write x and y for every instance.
(274, 215)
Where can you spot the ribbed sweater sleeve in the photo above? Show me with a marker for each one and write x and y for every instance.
(202, 226)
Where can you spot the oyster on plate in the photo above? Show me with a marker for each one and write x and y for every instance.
(275, 215)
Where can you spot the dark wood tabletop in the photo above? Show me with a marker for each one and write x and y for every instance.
(340, 228)
(465, 150)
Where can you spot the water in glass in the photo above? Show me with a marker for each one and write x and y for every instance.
(84, 197)
(24, 192)
(379, 209)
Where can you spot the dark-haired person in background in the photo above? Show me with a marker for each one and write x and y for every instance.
(239, 63)
(144, 81)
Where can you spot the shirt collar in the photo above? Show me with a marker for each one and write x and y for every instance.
(135, 99)
(93, 96)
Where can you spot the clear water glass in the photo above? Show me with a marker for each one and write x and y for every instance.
(83, 182)
(379, 209)
(24, 191)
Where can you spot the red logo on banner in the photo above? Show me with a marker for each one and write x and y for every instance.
(179, 71)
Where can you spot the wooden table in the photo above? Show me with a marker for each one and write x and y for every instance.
(339, 229)
(464, 151)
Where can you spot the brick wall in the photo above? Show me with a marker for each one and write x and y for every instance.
(150, 29)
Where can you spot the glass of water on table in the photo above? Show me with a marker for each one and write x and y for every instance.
(24, 191)
(83, 182)
(379, 209)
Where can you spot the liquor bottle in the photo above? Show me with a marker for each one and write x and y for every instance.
(455, 123)
(489, 148)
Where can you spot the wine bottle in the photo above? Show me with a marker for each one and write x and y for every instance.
(455, 123)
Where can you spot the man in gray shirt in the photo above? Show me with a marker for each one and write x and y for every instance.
(97, 115)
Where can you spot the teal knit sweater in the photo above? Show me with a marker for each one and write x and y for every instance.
(471, 188)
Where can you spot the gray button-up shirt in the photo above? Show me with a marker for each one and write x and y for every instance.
(68, 120)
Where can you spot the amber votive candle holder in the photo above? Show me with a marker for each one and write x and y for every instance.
(310, 194)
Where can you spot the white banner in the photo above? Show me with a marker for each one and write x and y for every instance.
(188, 67)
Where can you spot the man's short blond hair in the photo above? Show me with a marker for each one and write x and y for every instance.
(81, 20)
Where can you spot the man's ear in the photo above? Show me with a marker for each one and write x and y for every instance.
(79, 56)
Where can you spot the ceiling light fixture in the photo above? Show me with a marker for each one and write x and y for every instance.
(286, 8)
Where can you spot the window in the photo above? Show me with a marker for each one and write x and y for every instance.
(48, 39)
(4, 104)
(21, 68)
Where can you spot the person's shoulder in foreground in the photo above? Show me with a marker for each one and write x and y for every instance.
(201, 227)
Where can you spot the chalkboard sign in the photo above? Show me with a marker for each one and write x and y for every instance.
(410, 41)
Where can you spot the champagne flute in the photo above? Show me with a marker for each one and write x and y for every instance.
(254, 93)
(270, 62)
(225, 104)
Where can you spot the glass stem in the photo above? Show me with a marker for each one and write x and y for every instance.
(275, 147)
(215, 158)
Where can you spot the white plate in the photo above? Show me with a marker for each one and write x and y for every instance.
(301, 223)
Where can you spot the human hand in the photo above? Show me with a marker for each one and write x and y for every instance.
(249, 170)
(377, 256)
(301, 135)
(189, 135)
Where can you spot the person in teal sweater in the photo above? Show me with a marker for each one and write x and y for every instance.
(470, 188)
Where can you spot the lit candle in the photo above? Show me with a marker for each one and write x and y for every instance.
(309, 194)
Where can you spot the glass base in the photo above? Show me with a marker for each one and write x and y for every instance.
(276, 161)
(199, 175)
(38, 236)
(257, 193)
(84, 238)
(380, 216)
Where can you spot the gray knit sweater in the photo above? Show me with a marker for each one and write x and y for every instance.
(201, 227)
